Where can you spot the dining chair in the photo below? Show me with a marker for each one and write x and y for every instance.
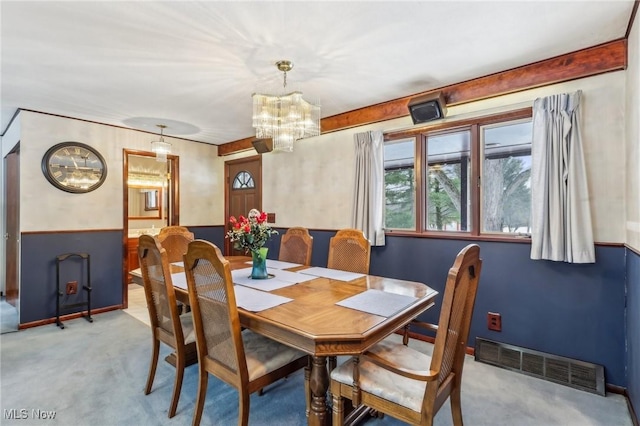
(174, 229)
(167, 325)
(349, 251)
(395, 379)
(175, 239)
(243, 359)
(296, 245)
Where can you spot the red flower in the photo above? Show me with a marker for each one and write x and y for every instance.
(250, 233)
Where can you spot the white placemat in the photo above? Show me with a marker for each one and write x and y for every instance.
(333, 274)
(255, 300)
(378, 302)
(179, 280)
(246, 298)
(293, 277)
(280, 279)
(178, 264)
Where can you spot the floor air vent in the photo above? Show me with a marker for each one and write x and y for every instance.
(565, 371)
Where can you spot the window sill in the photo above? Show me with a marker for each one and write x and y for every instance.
(464, 236)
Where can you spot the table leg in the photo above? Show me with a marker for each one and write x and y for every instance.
(319, 384)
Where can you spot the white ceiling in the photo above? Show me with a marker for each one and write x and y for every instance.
(194, 65)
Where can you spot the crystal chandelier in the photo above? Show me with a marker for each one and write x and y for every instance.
(160, 147)
(286, 117)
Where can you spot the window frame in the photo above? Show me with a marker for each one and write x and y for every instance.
(473, 125)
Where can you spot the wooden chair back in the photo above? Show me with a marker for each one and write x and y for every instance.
(349, 251)
(215, 314)
(221, 343)
(175, 239)
(175, 229)
(453, 327)
(167, 325)
(296, 246)
(159, 291)
(392, 377)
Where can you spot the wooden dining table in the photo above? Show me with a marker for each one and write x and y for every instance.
(313, 322)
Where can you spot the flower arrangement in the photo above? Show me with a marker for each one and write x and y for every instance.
(250, 233)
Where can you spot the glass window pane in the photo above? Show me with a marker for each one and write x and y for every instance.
(506, 177)
(448, 174)
(399, 184)
(243, 180)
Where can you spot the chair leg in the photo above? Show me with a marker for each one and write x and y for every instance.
(338, 410)
(203, 380)
(333, 361)
(243, 409)
(155, 351)
(456, 406)
(405, 335)
(177, 384)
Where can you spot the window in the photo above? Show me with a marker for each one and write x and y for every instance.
(472, 177)
(399, 184)
(506, 177)
(243, 180)
(448, 174)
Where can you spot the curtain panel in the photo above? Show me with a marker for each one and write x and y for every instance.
(560, 213)
(368, 194)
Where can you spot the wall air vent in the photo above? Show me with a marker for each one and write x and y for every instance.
(565, 371)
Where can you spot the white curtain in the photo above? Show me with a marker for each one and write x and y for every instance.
(560, 215)
(368, 194)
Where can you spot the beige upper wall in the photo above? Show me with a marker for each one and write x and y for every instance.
(632, 148)
(46, 208)
(312, 186)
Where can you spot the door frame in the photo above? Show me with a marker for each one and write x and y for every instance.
(173, 208)
(227, 190)
(12, 255)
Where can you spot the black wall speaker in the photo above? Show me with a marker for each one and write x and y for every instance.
(427, 108)
(263, 145)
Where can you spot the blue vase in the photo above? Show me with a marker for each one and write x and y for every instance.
(259, 270)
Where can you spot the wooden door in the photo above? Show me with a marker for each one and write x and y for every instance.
(12, 237)
(243, 191)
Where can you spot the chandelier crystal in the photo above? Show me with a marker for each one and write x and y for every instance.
(160, 147)
(286, 117)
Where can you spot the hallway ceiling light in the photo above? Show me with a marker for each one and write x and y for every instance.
(160, 147)
(285, 117)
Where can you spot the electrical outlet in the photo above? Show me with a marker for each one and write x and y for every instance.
(494, 321)
(72, 287)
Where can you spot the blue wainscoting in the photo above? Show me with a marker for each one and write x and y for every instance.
(571, 310)
(38, 270)
(633, 329)
(214, 234)
(577, 311)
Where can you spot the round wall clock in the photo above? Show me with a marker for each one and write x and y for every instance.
(74, 167)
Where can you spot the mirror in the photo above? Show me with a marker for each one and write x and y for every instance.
(145, 202)
(151, 200)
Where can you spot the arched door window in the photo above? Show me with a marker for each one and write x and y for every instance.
(243, 180)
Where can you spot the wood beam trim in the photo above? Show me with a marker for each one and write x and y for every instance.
(607, 57)
(584, 63)
(235, 146)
